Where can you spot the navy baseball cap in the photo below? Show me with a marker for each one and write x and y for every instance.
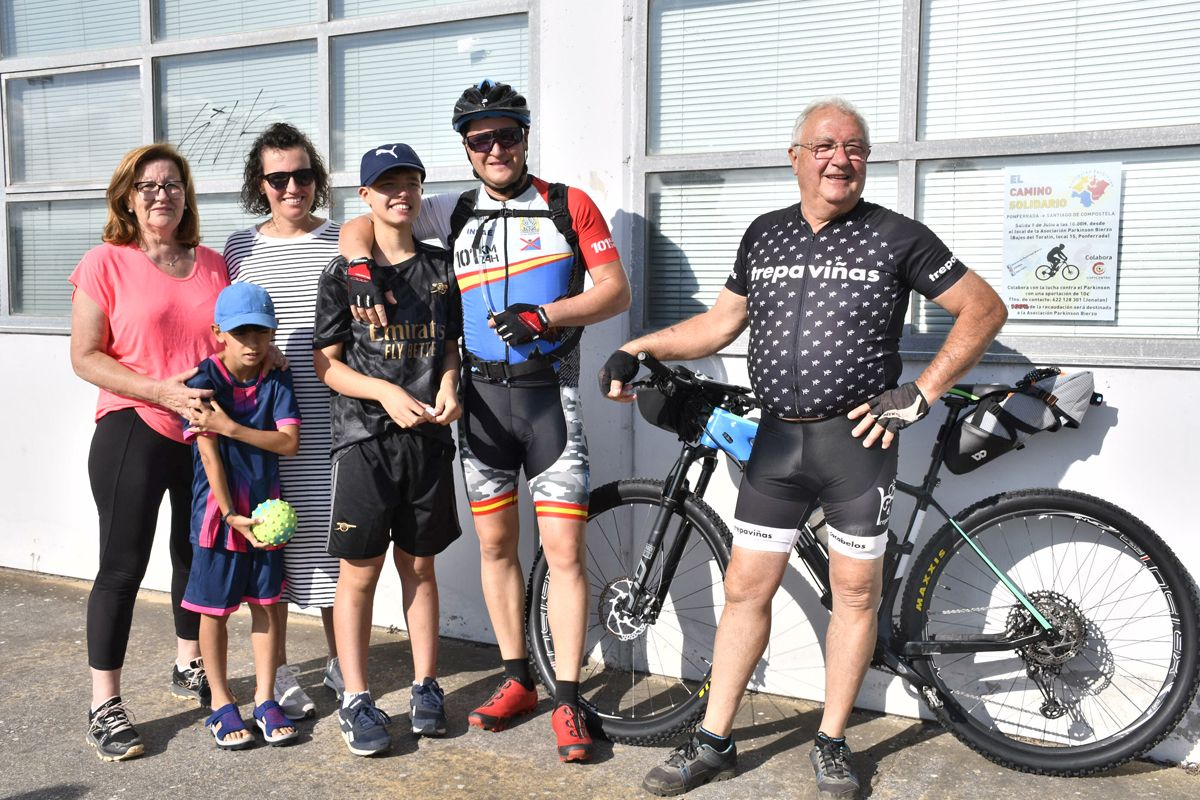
(379, 160)
(244, 304)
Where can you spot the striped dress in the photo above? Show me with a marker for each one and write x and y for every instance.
(289, 269)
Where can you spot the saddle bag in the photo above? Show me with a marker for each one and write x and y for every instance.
(1044, 400)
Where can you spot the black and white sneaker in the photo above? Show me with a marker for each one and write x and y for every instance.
(834, 768)
(691, 764)
(111, 732)
(427, 708)
(191, 683)
(364, 726)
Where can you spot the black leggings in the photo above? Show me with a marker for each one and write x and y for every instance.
(131, 466)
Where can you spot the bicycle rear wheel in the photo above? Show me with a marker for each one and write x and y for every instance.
(643, 680)
(1123, 669)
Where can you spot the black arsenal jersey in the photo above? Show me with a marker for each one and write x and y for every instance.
(826, 310)
(408, 351)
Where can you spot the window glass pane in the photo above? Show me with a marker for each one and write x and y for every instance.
(1008, 67)
(72, 127)
(177, 19)
(734, 75)
(401, 85)
(45, 241)
(32, 27)
(696, 224)
(1158, 271)
(213, 105)
(220, 215)
(360, 8)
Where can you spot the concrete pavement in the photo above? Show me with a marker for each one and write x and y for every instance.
(44, 695)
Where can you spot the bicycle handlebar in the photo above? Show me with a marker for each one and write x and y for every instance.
(663, 376)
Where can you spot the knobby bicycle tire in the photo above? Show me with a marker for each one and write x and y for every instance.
(641, 683)
(1126, 668)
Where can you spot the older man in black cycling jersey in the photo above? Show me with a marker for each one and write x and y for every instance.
(823, 286)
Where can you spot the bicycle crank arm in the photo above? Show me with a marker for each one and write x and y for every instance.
(888, 659)
(970, 643)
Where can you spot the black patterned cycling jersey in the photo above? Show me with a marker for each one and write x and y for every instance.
(826, 310)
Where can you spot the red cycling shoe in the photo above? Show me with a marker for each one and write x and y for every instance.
(570, 727)
(510, 701)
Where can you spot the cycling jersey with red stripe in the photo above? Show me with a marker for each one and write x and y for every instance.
(519, 259)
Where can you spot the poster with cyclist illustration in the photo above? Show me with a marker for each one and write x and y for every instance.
(1061, 227)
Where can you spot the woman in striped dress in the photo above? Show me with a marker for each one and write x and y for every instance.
(285, 254)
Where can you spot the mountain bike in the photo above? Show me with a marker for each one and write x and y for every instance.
(1049, 630)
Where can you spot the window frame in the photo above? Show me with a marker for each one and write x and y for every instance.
(147, 52)
(907, 152)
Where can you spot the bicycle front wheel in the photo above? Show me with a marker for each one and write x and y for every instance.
(644, 676)
(1122, 668)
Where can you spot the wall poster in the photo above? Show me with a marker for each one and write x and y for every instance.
(1062, 223)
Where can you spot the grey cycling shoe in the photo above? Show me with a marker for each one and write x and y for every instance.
(833, 765)
(691, 764)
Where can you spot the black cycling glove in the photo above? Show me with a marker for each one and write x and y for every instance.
(365, 287)
(521, 323)
(620, 367)
(900, 407)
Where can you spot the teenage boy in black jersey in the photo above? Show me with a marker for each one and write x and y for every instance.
(395, 393)
(823, 286)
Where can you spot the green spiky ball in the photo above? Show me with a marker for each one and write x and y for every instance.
(278, 522)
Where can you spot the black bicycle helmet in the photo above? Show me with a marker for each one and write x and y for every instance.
(488, 99)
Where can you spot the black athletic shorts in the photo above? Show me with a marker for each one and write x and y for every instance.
(794, 466)
(398, 487)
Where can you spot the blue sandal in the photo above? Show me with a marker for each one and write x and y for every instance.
(270, 717)
(229, 721)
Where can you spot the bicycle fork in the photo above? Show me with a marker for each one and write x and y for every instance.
(638, 604)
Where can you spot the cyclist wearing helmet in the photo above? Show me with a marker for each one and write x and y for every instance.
(521, 247)
(823, 286)
(1057, 256)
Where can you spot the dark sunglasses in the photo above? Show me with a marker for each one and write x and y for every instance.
(506, 137)
(279, 180)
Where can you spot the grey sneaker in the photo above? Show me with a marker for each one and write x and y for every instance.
(111, 732)
(191, 683)
(832, 762)
(333, 678)
(294, 701)
(428, 709)
(363, 727)
(691, 764)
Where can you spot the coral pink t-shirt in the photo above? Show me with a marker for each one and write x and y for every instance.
(158, 326)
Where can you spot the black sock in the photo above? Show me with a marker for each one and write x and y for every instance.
(718, 743)
(823, 738)
(518, 670)
(566, 693)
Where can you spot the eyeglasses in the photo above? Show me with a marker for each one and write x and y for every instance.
(150, 189)
(825, 150)
(506, 137)
(279, 180)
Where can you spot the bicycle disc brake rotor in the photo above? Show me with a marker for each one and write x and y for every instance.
(1070, 629)
(617, 620)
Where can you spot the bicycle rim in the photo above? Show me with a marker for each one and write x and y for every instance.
(1124, 669)
(642, 680)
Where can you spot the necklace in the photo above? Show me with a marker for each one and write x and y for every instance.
(307, 226)
(168, 265)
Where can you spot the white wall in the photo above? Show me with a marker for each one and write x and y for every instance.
(1139, 451)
